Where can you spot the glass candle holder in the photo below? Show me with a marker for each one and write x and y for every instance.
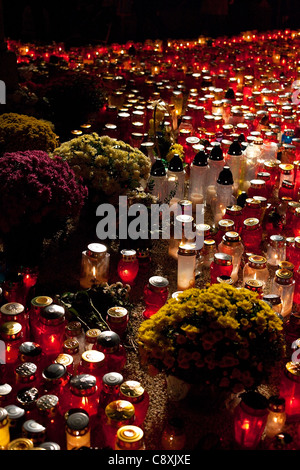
(231, 244)
(234, 213)
(257, 188)
(224, 225)
(290, 391)
(156, 294)
(274, 301)
(173, 435)
(92, 362)
(34, 431)
(186, 266)
(109, 343)
(14, 311)
(276, 250)
(81, 392)
(130, 438)
(284, 285)
(256, 268)
(110, 390)
(286, 189)
(94, 265)
(128, 266)
(235, 160)
(221, 266)
(91, 336)
(255, 286)
(37, 305)
(135, 393)
(4, 429)
(252, 209)
(176, 178)
(49, 330)
(276, 417)
(117, 319)
(251, 235)
(117, 414)
(198, 178)
(12, 336)
(78, 431)
(250, 418)
(54, 379)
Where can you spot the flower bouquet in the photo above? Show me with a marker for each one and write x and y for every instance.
(109, 168)
(38, 195)
(19, 132)
(222, 337)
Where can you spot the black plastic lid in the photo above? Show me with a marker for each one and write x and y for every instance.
(200, 159)
(235, 148)
(31, 349)
(230, 95)
(78, 421)
(54, 371)
(176, 164)
(158, 168)
(216, 153)
(108, 339)
(83, 381)
(225, 177)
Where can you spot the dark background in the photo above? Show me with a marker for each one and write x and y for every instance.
(80, 22)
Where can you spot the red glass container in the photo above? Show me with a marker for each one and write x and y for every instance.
(37, 305)
(117, 319)
(109, 343)
(234, 213)
(266, 176)
(292, 326)
(30, 351)
(295, 222)
(118, 413)
(257, 187)
(14, 311)
(251, 235)
(12, 336)
(290, 391)
(91, 336)
(221, 266)
(110, 390)
(49, 331)
(250, 418)
(156, 294)
(252, 209)
(134, 392)
(128, 266)
(286, 189)
(54, 379)
(289, 248)
(224, 225)
(93, 362)
(26, 399)
(50, 417)
(26, 374)
(81, 392)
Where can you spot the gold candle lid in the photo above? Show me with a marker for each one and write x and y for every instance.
(92, 335)
(286, 265)
(117, 314)
(187, 249)
(129, 437)
(73, 328)
(64, 359)
(257, 261)
(224, 224)
(128, 255)
(251, 223)
(286, 168)
(234, 208)
(41, 301)
(231, 237)
(12, 308)
(223, 259)
(250, 201)
(120, 411)
(257, 183)
(71, 346)
(22, 443)
(10, 330)
(93, 358)
(293, 369)
(284, 274)
(132, 391)
(254, 284)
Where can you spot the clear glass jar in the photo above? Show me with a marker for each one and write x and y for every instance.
(231, 244)
(276, 250)
(156, 294)
(176, 179)
(284, 285)
(276, 417)
(198, 178)
(94, 265)
(158, 181)
(256, 268)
